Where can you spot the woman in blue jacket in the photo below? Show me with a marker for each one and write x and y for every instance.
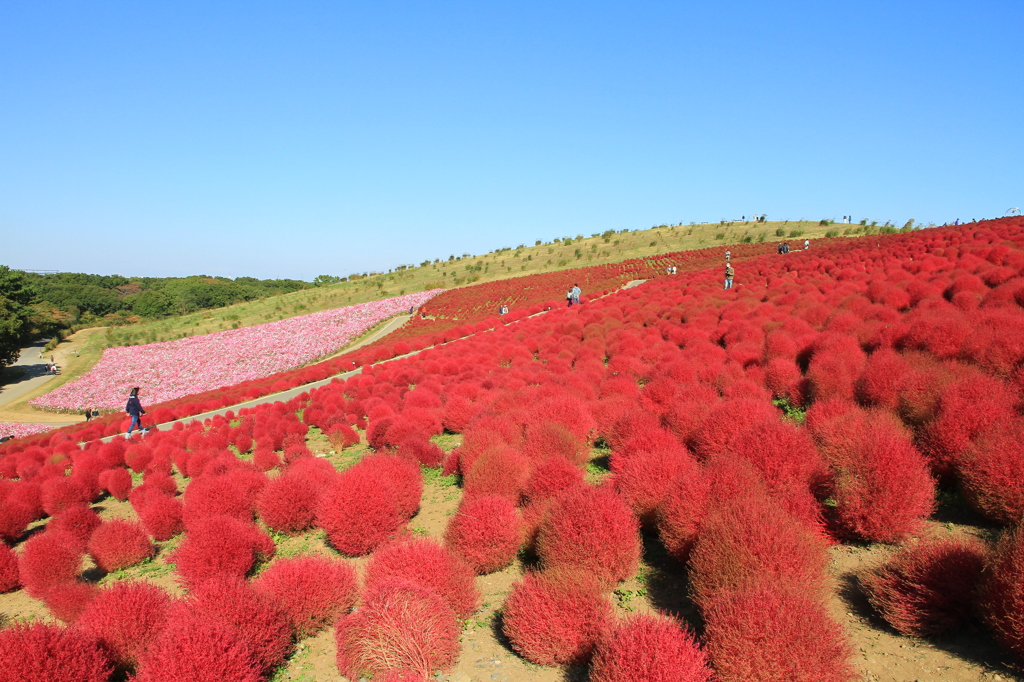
(134, 409)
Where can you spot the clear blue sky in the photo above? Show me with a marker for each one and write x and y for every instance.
(290, 139)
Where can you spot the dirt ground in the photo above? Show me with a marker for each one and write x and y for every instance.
(880, 654)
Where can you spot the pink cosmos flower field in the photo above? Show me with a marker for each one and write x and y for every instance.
(172, 369)
(19, 430)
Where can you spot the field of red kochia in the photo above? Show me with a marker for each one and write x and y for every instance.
(898, 362)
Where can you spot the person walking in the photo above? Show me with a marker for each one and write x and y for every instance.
(568, 297)
(807, 244)
(728, 255)
(134, 409)
(729, 274)
(576, 293)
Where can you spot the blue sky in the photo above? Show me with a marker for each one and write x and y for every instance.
(295, 139)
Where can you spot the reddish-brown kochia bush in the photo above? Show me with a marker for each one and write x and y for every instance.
(486, 532)
(118, 544)
(647, 648)
(9, 579)
(769, 632)
(79, 521)
(404, 476)
(218, 545)
(642, 478)
(312, 591)
(359, 511)
(126, 619)
(288, 503)
(342, 436)
(117, 482)
(557, 618)
(49, 559)
(551, 477)
(425, 563)
(68, 600)
(499, 470)
(883, 489)
(929, 588)
(194, 650)
(990, 472)
(161, 517)
(41, 652)
(592, 530)
(255, 617)
(751, 538)
(682, 511)
(400, 626)
(1003, 592)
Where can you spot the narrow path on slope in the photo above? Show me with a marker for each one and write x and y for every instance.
(26, 374)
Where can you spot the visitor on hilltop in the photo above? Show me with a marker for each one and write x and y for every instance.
(728, 255)
(778, 249)
(88, 413)
(729, 274)
(568, 297)
(576, 293)
(807, 244)
(134, 409)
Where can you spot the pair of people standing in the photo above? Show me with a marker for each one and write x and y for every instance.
(573, 295)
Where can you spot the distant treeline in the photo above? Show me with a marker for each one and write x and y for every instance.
(79, 299)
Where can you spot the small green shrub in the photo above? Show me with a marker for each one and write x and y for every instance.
(720, 236)
(832, 233)
(779, 232)
(796, 233)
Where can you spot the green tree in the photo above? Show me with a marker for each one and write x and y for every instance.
(14, 314)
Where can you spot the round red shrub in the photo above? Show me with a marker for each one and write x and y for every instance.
(79, 521)
(928, 588)
(255, 617)
(990, 472)
(161, 517)
(499, 470)
(1002, 601)
(313, 592)
(9, 579)
(68, 600)
(118, 544)
(194, 650)
(405, 477)
(426, 563)
(117, 482)
(400, 626)
(486, 532)
(58, 494)
(126, 618)
(359, 511)
(49, 559)
(767, 632)
(40, 652)
(557, 618)
(552, 476)
(648, 648)
(14, 520)
(591, 529)
(217, 545)
(215, 496)
(681, 512)
(642, 478)
(288, 503)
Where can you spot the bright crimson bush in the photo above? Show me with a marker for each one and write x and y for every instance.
(312, 591)
(426, 563)
(486, 532)
(67, 600)
(359, 511)
(400, 626)
(49, 559)
(219, 545)
(929, 588)
(9, 579)
(990, 472)
(161, 516)
(648, 648)
(117, 482)
(552, 619)
(592, 530)
(78, 521)
(681, 512)
(196, 650)
(215, 496)
(118, 544)
(126, 618)
(288, 503)
(40, 652)
(1003, 592)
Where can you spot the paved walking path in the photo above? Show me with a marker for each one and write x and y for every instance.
(32, 376)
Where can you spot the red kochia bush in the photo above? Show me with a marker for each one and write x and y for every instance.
(425, 563)
(193, 650)
(215, 496)
(14, 519)
(405, 477)
(642, 478)
(58, 494)
(117, 482)
(649, 648)
(766, 633)
(359, 510)
(681, 512)
(288, 503)
(9, 579)
(929, 588)
(217, 545)
(499, 470)
(312, 591)
(117, 544)
(78, 521)
(68, 600)
(551, 477)
(161, 516)
(257, 620)
(127, 618)
(593, 530)
(990, 472)
(1003, 592)
(555, 619)
(41, 652)
(400, 626)
(486, 532)
(49, 559)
